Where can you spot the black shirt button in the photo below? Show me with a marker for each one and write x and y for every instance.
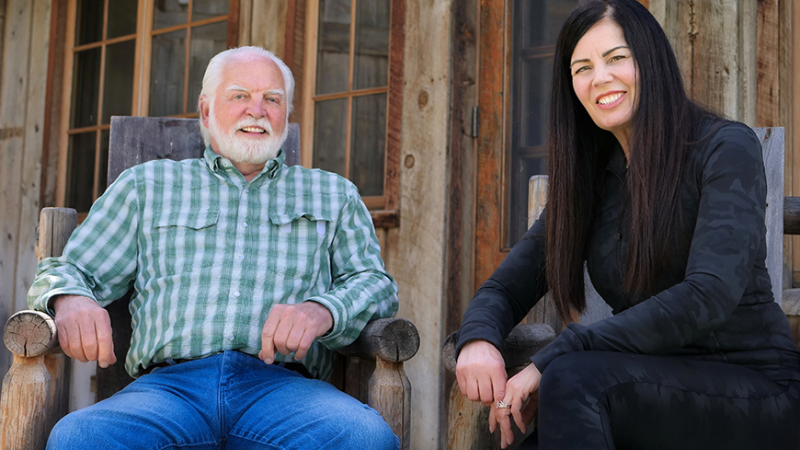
(618, 236)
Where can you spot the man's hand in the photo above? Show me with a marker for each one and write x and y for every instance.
(293, 328)
(84, 330)
(481, 372)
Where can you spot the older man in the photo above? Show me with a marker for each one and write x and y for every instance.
(246, 273)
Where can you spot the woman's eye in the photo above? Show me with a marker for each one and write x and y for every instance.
(581, 69)
(617, 57)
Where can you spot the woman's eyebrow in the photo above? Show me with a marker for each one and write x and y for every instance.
(603, 55)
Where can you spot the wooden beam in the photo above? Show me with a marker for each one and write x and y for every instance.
(768, 66)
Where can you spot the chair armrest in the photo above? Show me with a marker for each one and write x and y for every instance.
(30, 333)
(521, 344)
(393, 340)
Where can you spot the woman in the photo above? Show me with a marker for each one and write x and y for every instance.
(665, 204)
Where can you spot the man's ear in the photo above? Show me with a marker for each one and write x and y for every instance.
(205, 108)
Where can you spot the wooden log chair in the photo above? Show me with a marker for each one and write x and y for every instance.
(35, 389)
(467, 421)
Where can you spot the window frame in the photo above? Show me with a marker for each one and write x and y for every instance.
(383, 208)
(141, 76)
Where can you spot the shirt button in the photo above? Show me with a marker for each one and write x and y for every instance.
(618, 237)
(236, 294)
(241, 256)
(230, 337)
(247, 191)
(244, 224)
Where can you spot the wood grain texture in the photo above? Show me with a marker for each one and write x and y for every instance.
(772, 140)
(30, 333)
(417, 248)
(390, 395)
(13, 89)
(23, 420)
(767, 64)
(268, 25)
(392, 340)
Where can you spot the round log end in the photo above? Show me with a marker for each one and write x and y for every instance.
(394, 340)
(30, 333)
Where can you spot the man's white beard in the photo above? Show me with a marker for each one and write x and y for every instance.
(240, 149)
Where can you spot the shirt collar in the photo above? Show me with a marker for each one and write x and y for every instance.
(216, 162)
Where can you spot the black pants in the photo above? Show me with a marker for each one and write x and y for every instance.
(603, 400)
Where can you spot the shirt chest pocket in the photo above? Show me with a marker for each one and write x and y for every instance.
(301, 239)
(188, 236)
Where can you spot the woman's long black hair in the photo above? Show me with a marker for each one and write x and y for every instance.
(664, 122)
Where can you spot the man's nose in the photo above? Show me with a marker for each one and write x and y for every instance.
(255, 108)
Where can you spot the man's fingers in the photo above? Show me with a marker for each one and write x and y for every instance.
(105, 343)
(305, 344)
(267, 353)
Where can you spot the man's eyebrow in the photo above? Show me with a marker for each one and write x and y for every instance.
(606, 53)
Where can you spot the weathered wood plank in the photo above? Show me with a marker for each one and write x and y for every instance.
(245, 20)
(268, 25)
(13, 89)
(23, 420)
(767, 64)
(785, 118)
(772, 147)
(714, 44)
(32, 151)
(390, 395)
(417, 254)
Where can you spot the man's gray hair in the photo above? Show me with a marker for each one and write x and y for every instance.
(213, 77)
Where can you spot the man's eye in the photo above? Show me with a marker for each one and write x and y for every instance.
(238, 97)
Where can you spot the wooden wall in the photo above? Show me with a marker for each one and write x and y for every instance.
(23, 76)
(415, 253)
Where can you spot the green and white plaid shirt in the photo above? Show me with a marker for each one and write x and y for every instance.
(209, 254)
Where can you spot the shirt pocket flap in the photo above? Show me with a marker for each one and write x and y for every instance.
(195, 220)
(291, 214)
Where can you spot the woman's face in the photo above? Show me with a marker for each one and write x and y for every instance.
(604, 77)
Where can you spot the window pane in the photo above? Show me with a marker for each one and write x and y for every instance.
(102, 179)
(330, 135)
(537, 75)
(205, 9)
(368, 143)
(333, 52)
(543, 19)
(80, 171)
(371, 63)
(121, 17)
(85, 88)
(88, 22)
(207, 41)
(118, 84)
(166, 76)
(170, 12)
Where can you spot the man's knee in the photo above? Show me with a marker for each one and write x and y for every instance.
(371, 431)
(72, 431)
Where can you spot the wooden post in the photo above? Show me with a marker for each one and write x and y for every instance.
(25, 394)
(33, 396)
(390, 395)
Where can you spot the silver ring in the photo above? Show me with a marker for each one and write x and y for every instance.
(503, 405)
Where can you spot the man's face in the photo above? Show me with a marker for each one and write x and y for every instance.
(246, 119)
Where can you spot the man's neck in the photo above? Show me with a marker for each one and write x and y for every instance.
(248, 171)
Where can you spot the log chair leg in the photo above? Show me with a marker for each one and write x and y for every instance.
(26, 388)
(468, 424)
(58, 365)
(390, 395)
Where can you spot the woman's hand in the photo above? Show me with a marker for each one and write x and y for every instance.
(522, 387)
(481, 372)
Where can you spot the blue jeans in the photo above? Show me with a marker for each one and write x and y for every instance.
(226, 401)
